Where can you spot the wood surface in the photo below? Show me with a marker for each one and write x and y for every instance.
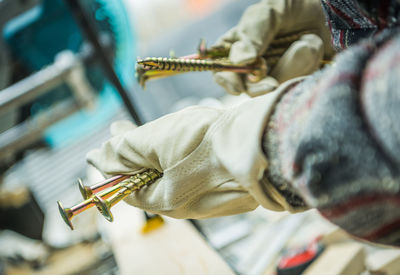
(339, 259)
(385, 261)
(174, 248)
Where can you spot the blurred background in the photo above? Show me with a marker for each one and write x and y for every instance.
(61, 87)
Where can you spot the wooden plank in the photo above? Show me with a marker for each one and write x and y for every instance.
(339, 259)
(337, 235)
(386, 261)
(174, 248)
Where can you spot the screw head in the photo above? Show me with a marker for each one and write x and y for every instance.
(65, 214)
(103, 208)
(86, 192)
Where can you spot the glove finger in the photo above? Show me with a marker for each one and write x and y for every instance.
(255, 30)
(98, 159)
(243, 52)
(117, 157)
(228, 38)
(265, 85)
(231, 82)
(229, 198)
(119, 127)
(303, 57)
(92, 158)
(163, 197)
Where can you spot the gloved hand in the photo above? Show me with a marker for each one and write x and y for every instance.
(261, 26)
(211, 160)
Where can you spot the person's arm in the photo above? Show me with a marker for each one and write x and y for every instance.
(333, 141)
(211, 160)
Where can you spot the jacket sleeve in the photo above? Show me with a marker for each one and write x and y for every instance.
(333, 141)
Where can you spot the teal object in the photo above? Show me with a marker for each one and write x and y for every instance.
(39, 35)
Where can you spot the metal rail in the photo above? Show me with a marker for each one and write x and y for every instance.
(90, 33)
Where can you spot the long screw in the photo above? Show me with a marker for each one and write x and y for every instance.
(159, 67)
(130, 185)
(88, 191)
(188, 65)
(105, 199)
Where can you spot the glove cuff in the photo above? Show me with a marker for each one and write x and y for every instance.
(237, 144)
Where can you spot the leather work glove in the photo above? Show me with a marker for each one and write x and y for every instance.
(267, 29)
(211, 160)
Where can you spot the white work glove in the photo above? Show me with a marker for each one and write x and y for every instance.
(260, 25)
(211, 160)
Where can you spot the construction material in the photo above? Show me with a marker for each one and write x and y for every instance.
(384, 262)
(175, 248)
(339, 259)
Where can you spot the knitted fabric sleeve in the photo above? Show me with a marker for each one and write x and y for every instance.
(333, 141)
(353, 20)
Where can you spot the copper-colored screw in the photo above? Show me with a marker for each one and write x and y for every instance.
(130, 185)
(88, 191)
(108, 197)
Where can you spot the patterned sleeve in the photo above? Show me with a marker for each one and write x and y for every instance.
(333, 141)
(350, 21)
